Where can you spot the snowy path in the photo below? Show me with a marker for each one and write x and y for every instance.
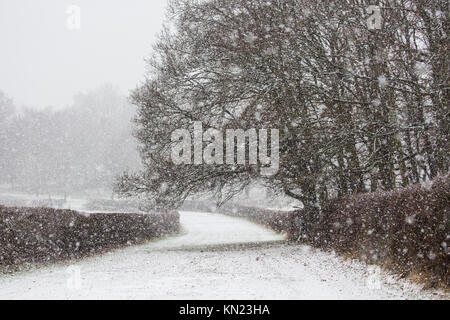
(215, 257)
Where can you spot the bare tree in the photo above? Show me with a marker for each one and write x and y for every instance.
(358, 109)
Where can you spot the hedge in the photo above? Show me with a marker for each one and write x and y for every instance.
(39, 235)
(406, 230)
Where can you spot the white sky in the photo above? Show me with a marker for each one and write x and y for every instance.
(43, 63)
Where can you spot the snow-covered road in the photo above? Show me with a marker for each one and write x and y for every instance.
(215, 257)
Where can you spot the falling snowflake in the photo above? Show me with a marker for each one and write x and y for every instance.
(382, 81)
(411, 219)
(376, 102)
(250, 38)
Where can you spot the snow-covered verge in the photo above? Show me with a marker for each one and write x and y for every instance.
(43, 235)
(215, 257)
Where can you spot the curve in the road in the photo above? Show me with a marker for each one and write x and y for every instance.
(215, 257)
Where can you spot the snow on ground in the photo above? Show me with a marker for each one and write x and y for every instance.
(75, 204)
(215, 257)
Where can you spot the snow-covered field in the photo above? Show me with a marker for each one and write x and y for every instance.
(215, 257)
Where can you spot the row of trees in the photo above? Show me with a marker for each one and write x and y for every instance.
(359, 109)
(78, 149)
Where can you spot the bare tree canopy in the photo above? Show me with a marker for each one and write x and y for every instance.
(358, 108)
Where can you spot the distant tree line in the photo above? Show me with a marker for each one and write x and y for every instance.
(359, 109)
(74, 150)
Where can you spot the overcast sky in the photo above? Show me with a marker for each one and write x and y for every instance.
(44, 63)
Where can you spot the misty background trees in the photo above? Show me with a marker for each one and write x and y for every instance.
(77, 150)
(359, 109)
